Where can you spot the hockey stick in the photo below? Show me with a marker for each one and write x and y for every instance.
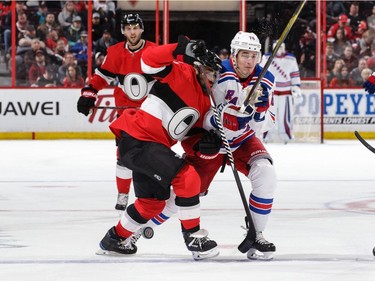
(365, 143)
(269, 61)
(250, 236)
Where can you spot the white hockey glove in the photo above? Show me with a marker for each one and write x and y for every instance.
(296, 92)
(259, 100)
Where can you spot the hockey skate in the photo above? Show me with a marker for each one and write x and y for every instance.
(261, 249)
(112, 244)
(200, 245)
(122, 201)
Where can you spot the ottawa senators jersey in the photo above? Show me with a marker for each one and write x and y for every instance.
(175, 104)
(125, 65)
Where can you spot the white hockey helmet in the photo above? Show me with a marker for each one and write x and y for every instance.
(245, 41)
(281, 50)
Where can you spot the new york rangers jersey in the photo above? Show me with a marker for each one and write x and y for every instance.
(231, 89)
(286, 72)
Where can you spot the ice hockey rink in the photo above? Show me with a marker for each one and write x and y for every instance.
(57, 201)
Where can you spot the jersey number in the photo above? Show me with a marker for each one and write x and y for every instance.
(181, 122)
(136, 86)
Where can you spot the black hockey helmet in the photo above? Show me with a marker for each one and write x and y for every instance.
(131, 19)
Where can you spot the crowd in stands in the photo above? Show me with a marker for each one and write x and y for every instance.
(53, 36)
(52, 40)
(350, 46)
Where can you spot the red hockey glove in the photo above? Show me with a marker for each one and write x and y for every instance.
(87, 100)
(369, 85)
(233, 119)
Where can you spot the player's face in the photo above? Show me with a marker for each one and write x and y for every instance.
(133, 34)
(246, 61)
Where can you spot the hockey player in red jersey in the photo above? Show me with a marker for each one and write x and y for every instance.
(175, 105)
(251, 158)
(123, 61)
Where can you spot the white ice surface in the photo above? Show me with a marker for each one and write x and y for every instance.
(57, 201)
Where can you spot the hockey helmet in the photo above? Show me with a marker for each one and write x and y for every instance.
(281, 50)
(131, 19)
(245, 41)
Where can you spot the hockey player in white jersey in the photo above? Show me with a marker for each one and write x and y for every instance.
(284, 67)
(238, 75)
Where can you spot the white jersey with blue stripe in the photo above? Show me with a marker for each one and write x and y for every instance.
(230, 89)
(285, 69)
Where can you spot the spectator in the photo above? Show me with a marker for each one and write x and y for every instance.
(364, 44)
(51, 40)
(41, 15)
(38, 68)
(307, 59)
(354, 16)
(104, 42)
(69, 60)
(59, 52)
(371, 60)
(28, 36)
(340, 42)
(107, 11)
(80, 49)
(350, 59)
(355, 74)
(371, 19)
(224, 54)
(335, 72)
(334, 10)
(22, 69)
(341, 24)
(331, 56)
(365, 74)
(97, 27)
(342, 80)
(73, 78)
(73, 31)
(21, 25)
(48, 78)
(66, 16)
(99, 59)
(362, 27)
(49, 24)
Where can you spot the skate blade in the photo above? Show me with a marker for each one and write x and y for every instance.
(254, 254)
(102, 252)
(205, 255)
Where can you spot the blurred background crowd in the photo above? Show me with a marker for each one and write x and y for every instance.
(52, 39)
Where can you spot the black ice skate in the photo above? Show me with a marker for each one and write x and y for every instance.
(261, 249)
(200, 245)
(122, 201)
(112, 244)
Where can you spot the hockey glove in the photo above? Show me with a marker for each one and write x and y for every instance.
(87, 100)
(233, 119)
(189, 50)
(369, 85)
(209, 145)
(260, 99)
(296, 92)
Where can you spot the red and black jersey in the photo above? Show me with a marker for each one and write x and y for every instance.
(125, 65)
(175, 104)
